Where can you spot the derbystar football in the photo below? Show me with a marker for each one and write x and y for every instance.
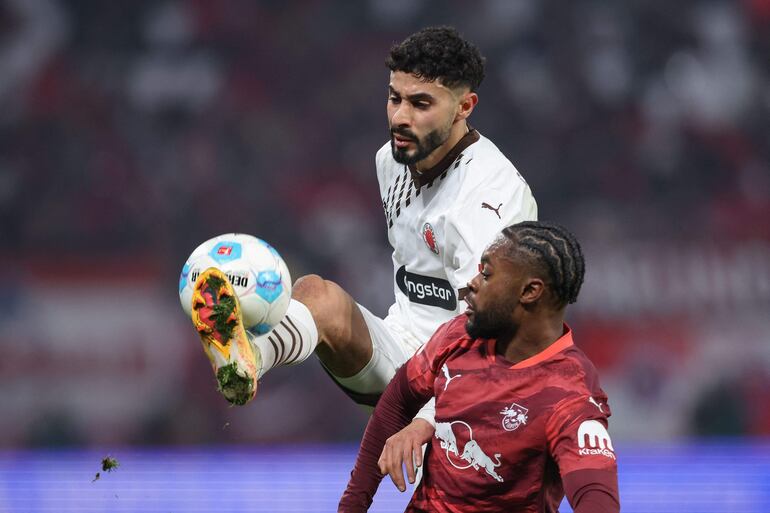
(257, 272)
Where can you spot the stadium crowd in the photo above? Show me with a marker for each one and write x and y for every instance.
(132, 131)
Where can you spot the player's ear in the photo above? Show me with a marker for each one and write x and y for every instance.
(467, 103)
(532, 291)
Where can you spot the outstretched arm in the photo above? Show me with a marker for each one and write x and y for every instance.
(395, 410)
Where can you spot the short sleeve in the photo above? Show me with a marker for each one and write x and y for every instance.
(473, 224)
(578, 437)
(422, 368)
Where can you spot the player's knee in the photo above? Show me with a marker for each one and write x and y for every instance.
(317, 294)
(328, 303)
(311, 290)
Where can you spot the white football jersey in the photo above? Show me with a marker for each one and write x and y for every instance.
(439, 223)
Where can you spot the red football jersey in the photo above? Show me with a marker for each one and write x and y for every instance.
(507, 434)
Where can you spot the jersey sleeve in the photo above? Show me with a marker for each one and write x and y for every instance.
(423, 368)
(479, 217)
(580, 444)
(379, 164)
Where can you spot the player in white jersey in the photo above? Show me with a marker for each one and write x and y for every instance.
(446, 191)
(437, 220)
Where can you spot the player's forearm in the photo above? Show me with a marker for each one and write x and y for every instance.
(592, 491)
(595, 501)
(394, 411)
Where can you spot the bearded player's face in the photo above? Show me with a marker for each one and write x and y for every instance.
(491, 295)
(420, 117)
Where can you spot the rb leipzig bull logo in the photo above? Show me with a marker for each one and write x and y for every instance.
(472, 454)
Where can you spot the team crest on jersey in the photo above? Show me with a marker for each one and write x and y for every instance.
(429, 236)
(514, 416)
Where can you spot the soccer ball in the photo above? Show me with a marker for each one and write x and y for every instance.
(255, 269)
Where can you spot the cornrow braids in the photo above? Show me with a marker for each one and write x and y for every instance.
(556, 251)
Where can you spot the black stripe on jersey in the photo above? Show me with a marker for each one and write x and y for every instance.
(386, 206)
(392, 195)
(408, 199)
(396, 196)
(458, 161)
(401, 192)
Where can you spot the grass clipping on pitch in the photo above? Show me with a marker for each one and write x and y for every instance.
(108, 465)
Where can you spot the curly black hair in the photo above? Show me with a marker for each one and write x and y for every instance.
(439, 53)
(553, 250)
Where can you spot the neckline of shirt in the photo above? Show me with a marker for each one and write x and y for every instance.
(427, 176)
(558, 346)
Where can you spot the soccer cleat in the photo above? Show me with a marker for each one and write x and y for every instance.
(216, 314)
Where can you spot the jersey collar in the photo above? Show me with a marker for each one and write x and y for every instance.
(560, 345)
(427, 176)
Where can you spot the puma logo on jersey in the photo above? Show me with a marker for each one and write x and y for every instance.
(493, 209)
(449, 378)
(597, 404)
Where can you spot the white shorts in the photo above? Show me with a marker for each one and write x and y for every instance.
(392, 346)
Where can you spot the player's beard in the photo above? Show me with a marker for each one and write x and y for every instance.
(423, 147)
(494, 322)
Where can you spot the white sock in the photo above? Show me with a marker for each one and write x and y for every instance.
(290, 342)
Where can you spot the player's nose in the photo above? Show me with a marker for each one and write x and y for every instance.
(402, 115)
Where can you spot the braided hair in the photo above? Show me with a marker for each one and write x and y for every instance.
(554, 251)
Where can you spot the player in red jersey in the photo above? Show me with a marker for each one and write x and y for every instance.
(520, 416)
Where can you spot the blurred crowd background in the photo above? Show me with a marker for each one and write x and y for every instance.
(132, 131)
